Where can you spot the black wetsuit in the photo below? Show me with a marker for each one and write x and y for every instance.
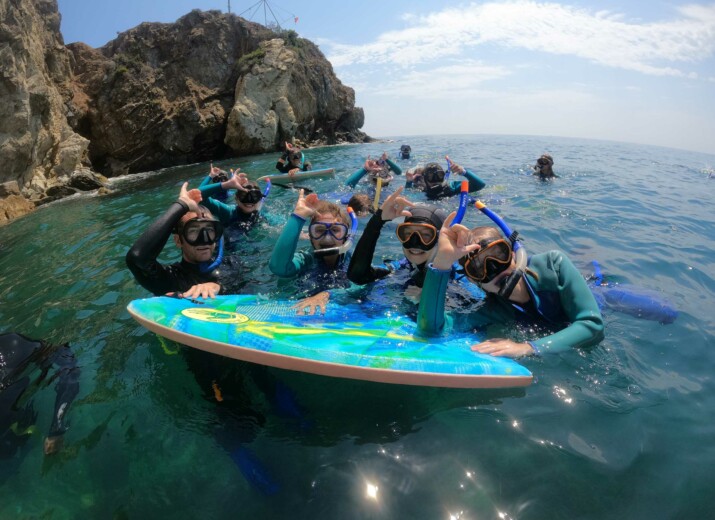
(361, 271)
(285, 167)
(16, 353)
(155, 277)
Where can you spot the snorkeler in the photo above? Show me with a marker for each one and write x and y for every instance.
(405, 151)
(196, 233)
(544, 167)
(361, 204)
(249, 202)
(293, 160)
(330, 229)
(418, 236)
(381, 168)
(216, 176)
(434, 181)
(546, 289)
(17, 416)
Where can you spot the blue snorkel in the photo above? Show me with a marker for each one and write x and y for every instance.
(265, 193)
(348, 241)
(519, 250)
(207, 267)
(448, 172)
(463, 202)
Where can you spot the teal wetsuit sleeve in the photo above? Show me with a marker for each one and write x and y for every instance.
(579, 305)
(221, 211)
(394, 167)
(355, 177)
(285, 262)
(431, 317)
(475, 183)
(206, 182)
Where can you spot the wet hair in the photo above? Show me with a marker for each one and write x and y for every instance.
(323, 207)
(360, 203)
(487, 234)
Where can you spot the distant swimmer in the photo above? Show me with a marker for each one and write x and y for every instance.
(405, 151)
(544, 167)
(293, 160)
(434, 181)
(375, 169)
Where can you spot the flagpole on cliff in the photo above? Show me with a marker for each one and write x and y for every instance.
(229, 6)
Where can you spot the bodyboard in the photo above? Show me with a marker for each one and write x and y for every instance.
(345, 342)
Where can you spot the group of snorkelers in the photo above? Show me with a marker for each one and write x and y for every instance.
(545, 288)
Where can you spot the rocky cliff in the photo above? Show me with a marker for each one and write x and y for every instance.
(208, 86)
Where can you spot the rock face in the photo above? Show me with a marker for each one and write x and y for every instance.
(208, 86)
(37, 145)
(287, 91)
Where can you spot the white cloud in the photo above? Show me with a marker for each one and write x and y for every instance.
(602, 37)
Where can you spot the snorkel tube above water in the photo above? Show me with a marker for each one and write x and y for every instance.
(265, 193)
(320, 253)
(519, 250)
(463, 202)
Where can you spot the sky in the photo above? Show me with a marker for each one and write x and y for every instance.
(641, 71)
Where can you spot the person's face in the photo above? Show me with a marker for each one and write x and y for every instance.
(246, 208)
(418, 256)
(495, 285)
(194, 254)
(294, 159)
(319, 224)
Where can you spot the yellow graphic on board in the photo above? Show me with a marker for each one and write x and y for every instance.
(214, 315)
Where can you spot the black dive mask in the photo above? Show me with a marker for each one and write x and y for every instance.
(252, 196)
(202, 232)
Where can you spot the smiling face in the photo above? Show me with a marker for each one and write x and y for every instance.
(320, 223)
(418, 256)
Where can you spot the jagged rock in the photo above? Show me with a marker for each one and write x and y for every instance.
(9, 188)
(38, 143)
(86, 180)
(158, 95)
(13, 206)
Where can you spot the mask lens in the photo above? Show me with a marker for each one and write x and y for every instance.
(250, 196)
(318, 230)
(202, 233)
(488, 262)
(417, 236)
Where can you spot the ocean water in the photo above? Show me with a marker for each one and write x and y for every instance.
(622, 430)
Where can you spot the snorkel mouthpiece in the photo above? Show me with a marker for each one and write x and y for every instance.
(519, 250)
(321, 253)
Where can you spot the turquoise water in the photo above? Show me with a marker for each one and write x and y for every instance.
(624, 430)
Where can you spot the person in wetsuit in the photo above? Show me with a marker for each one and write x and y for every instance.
(17, 420)
(293, 160)
(418, 235)
(431, 178)
(544, 167)
(381, 168)
(325, 262)
(196, 233)
(216, 176)
(551, 292)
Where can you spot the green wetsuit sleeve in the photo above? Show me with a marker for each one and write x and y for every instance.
(355, 177)
(394, 167)
(218, 209)
(431, 318)
(285, 262)
(578, 303)
(475, 183)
